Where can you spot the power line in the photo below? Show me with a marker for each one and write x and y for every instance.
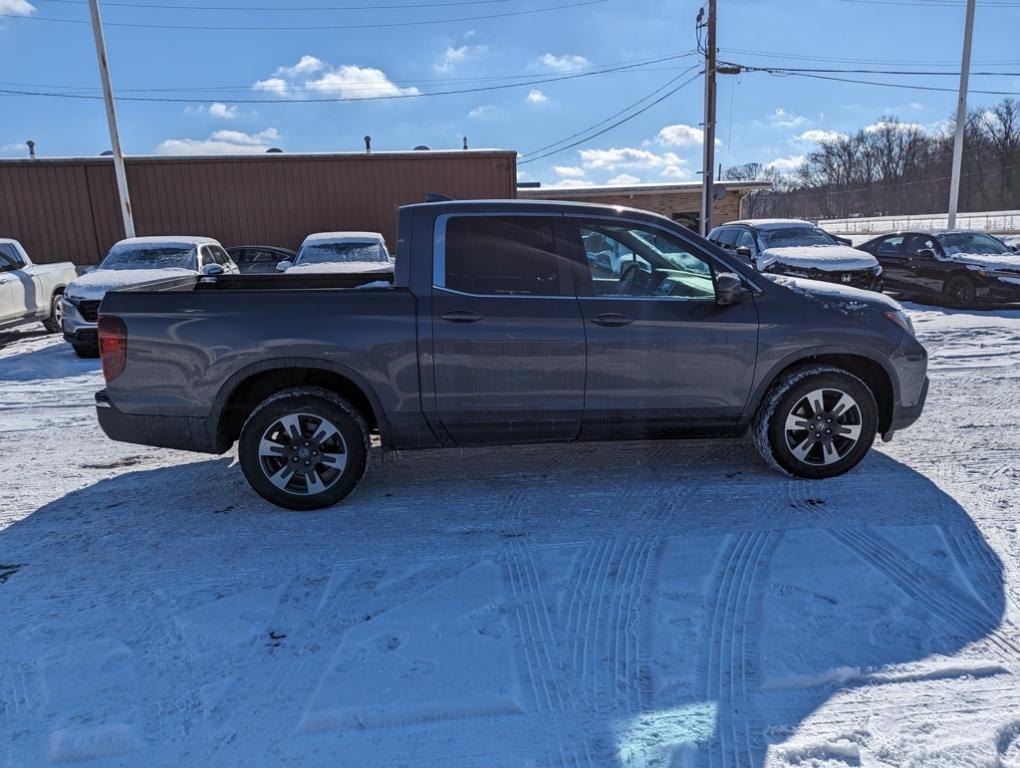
(798, 70)
(612, 116)
(386, 97)
(257, 8)
(933, 3)
(614, 125)
(905, 86)
(632, 65)
(316, 28)
(827, 58)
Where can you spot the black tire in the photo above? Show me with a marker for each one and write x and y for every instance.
(87, 351)
(52, 323)
(959, 291)
(829, 451)
(310, 411)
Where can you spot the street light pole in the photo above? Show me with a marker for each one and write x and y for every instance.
(111, 118)
(961, 116)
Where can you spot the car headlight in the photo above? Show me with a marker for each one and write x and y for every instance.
(899, 317)
(74, 301)
(877, 269)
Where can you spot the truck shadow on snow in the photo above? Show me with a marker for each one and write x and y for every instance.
(620, 604)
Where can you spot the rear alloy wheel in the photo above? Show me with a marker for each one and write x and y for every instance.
(304, 448)
(817, 422)
(52, 323)
(960, 291)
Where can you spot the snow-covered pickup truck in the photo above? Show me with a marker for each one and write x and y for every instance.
(133, 262)
(30, 292)
(497, 329)
(798, 248)
(340, 252)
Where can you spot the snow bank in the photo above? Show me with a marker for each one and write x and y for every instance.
(829, 258)
(95, 284)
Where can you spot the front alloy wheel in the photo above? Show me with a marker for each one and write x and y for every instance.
(304, 448)
(823, 426)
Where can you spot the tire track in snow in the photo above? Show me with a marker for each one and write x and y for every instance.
(942, 599)
(727, 672)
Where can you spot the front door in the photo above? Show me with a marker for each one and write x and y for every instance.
(507, 336)
(663, 357)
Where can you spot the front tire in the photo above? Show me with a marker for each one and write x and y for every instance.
(52, 323)
(960, 291)
(304, 448)
(816, 422)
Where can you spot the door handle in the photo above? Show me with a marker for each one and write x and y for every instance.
(462, 317)
(612, 320)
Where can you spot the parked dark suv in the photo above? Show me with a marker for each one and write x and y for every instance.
(798, 248)
(500, 324)
(957, 267)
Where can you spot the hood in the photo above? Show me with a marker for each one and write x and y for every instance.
(828, 258)
(844, 295)
(95, 284)
(999, 261)
(341, 267)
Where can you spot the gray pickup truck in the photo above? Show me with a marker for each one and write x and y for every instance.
(501, 324)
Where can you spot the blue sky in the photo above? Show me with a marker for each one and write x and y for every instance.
(761, 117)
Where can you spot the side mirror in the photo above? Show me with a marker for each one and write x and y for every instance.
(213, 269)
(283, 266)
(1015, 248)
(744, 252)
(730, 289)
(926, 253)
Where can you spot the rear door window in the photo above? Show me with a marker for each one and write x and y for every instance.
(891, 246)
(501, 255)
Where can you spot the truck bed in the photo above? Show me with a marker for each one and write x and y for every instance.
(302, 282)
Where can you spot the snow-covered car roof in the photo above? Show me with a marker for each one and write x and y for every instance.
(344, 237)
(771, 223)
(167, 240)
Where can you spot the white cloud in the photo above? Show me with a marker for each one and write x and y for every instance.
(784, 119)
(535, 96)
(621, 157)
(566, 63)
(677, 171)
(916, 105)
(569, 184)
(223, 111)
(624, 178)
(350, 81)
(273, 85)
(483, 111)
(18, 146)
(680, 135)
(16, 8)
(453, 56)
(818, 135)
(786, 164)
(568, 171)
(306, 65)
(221, 143)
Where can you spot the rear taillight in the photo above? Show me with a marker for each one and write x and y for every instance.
(112, 345)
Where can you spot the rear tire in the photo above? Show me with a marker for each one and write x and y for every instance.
(959, 291)
(304, 448)
(816, 422)
(52, 323)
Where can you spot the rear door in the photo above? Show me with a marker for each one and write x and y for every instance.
(895, 267)
(663, 357)
(507, 336)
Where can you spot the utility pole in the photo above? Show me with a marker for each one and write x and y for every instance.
(961, 116)
(111, 118)
(707, 193)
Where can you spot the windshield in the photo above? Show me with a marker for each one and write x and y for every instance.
(154, 257)
(972, 242)
(332, 253)
(786, 237)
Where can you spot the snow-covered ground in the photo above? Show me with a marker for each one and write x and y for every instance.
(629, 604)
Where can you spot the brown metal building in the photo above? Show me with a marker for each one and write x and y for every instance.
(68, 210)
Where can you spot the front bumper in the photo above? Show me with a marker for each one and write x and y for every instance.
(77, 329)
(911, 364)
(996, 290)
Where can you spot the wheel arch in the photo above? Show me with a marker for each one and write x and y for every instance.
(243, 391)
(869, 369)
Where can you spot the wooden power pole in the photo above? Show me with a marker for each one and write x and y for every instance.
(707, 192)
(111, 118)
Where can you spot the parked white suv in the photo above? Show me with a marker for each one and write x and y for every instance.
(30, 292)
(133, 262)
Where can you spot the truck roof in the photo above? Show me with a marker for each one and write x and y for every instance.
(537, 206)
